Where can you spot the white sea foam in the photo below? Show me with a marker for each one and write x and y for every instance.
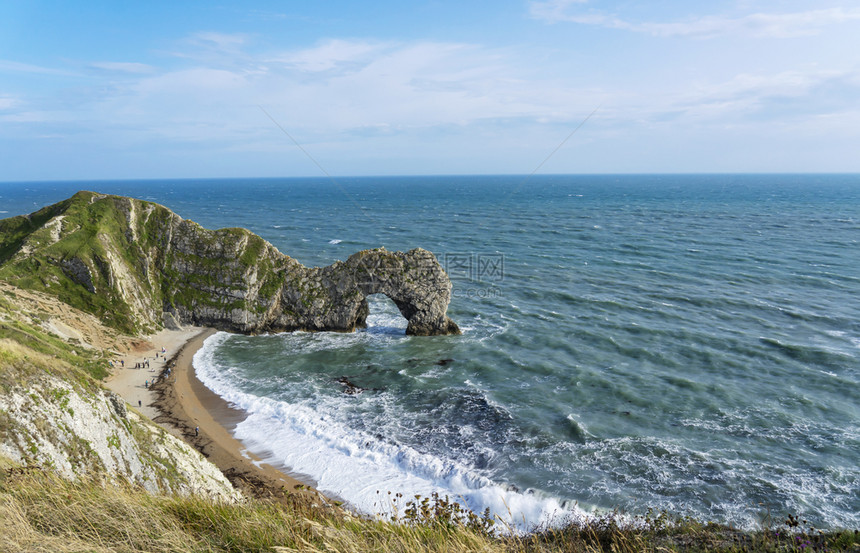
(335, 241)
(578, 426)
(361, 468)
(480, 329)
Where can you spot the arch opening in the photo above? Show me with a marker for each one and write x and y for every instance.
(383, 316)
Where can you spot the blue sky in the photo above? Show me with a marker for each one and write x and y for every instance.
(110, 90)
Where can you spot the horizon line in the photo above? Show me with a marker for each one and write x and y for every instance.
(448, 175)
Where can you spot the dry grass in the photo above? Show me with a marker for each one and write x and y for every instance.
(40, 512)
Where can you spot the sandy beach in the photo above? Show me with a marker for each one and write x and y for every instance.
(192, 412)
(135, 369)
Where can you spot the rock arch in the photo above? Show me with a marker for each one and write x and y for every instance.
(414, 281)
(335, 297)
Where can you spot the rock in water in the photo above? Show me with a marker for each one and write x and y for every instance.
(138, 265)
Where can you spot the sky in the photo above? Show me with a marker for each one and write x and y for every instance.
(200, 89)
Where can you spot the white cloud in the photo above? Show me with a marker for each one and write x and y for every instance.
(552, 11)
(211, 47)
(28, 117)
(190, 82)
(8, 102)
(774, 25)
(14, 66)
(123, 67)
(753, 101)
(372, 101)
(331, 54)
(220, 40)
(417, 85)
(339, 88)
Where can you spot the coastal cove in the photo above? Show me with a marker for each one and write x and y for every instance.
(189, 410)
(182, 403)
(680, 342)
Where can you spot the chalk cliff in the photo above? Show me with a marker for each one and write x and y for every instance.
(55, 416)
(139, 266)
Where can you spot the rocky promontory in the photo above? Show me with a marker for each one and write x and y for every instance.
(139, 266)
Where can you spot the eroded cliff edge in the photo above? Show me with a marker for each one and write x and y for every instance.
(138, 265)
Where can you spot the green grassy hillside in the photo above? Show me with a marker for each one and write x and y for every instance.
(128, 260)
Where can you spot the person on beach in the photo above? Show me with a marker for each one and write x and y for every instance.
(147, 384)
(139, 403)
(196, 430)
(122, 363)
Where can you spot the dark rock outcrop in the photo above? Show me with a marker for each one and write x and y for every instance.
(139, 266)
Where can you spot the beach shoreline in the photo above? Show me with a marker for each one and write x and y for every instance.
(168, 391)
(141, 362)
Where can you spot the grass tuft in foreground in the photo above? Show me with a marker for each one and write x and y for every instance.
(41, 512)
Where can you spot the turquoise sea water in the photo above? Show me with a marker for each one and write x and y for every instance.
(680, 342)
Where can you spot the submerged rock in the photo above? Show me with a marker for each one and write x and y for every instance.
(349, 388)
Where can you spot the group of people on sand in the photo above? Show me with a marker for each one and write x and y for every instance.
(154, 379)
(145, 364)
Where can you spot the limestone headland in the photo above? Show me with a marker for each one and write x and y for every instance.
(140, 267)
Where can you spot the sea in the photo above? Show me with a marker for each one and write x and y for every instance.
(688, 343)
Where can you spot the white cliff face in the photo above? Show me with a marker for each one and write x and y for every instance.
(77, 432)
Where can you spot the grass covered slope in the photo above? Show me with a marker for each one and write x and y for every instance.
(55, 414)
(127, 261)
(40, 512)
